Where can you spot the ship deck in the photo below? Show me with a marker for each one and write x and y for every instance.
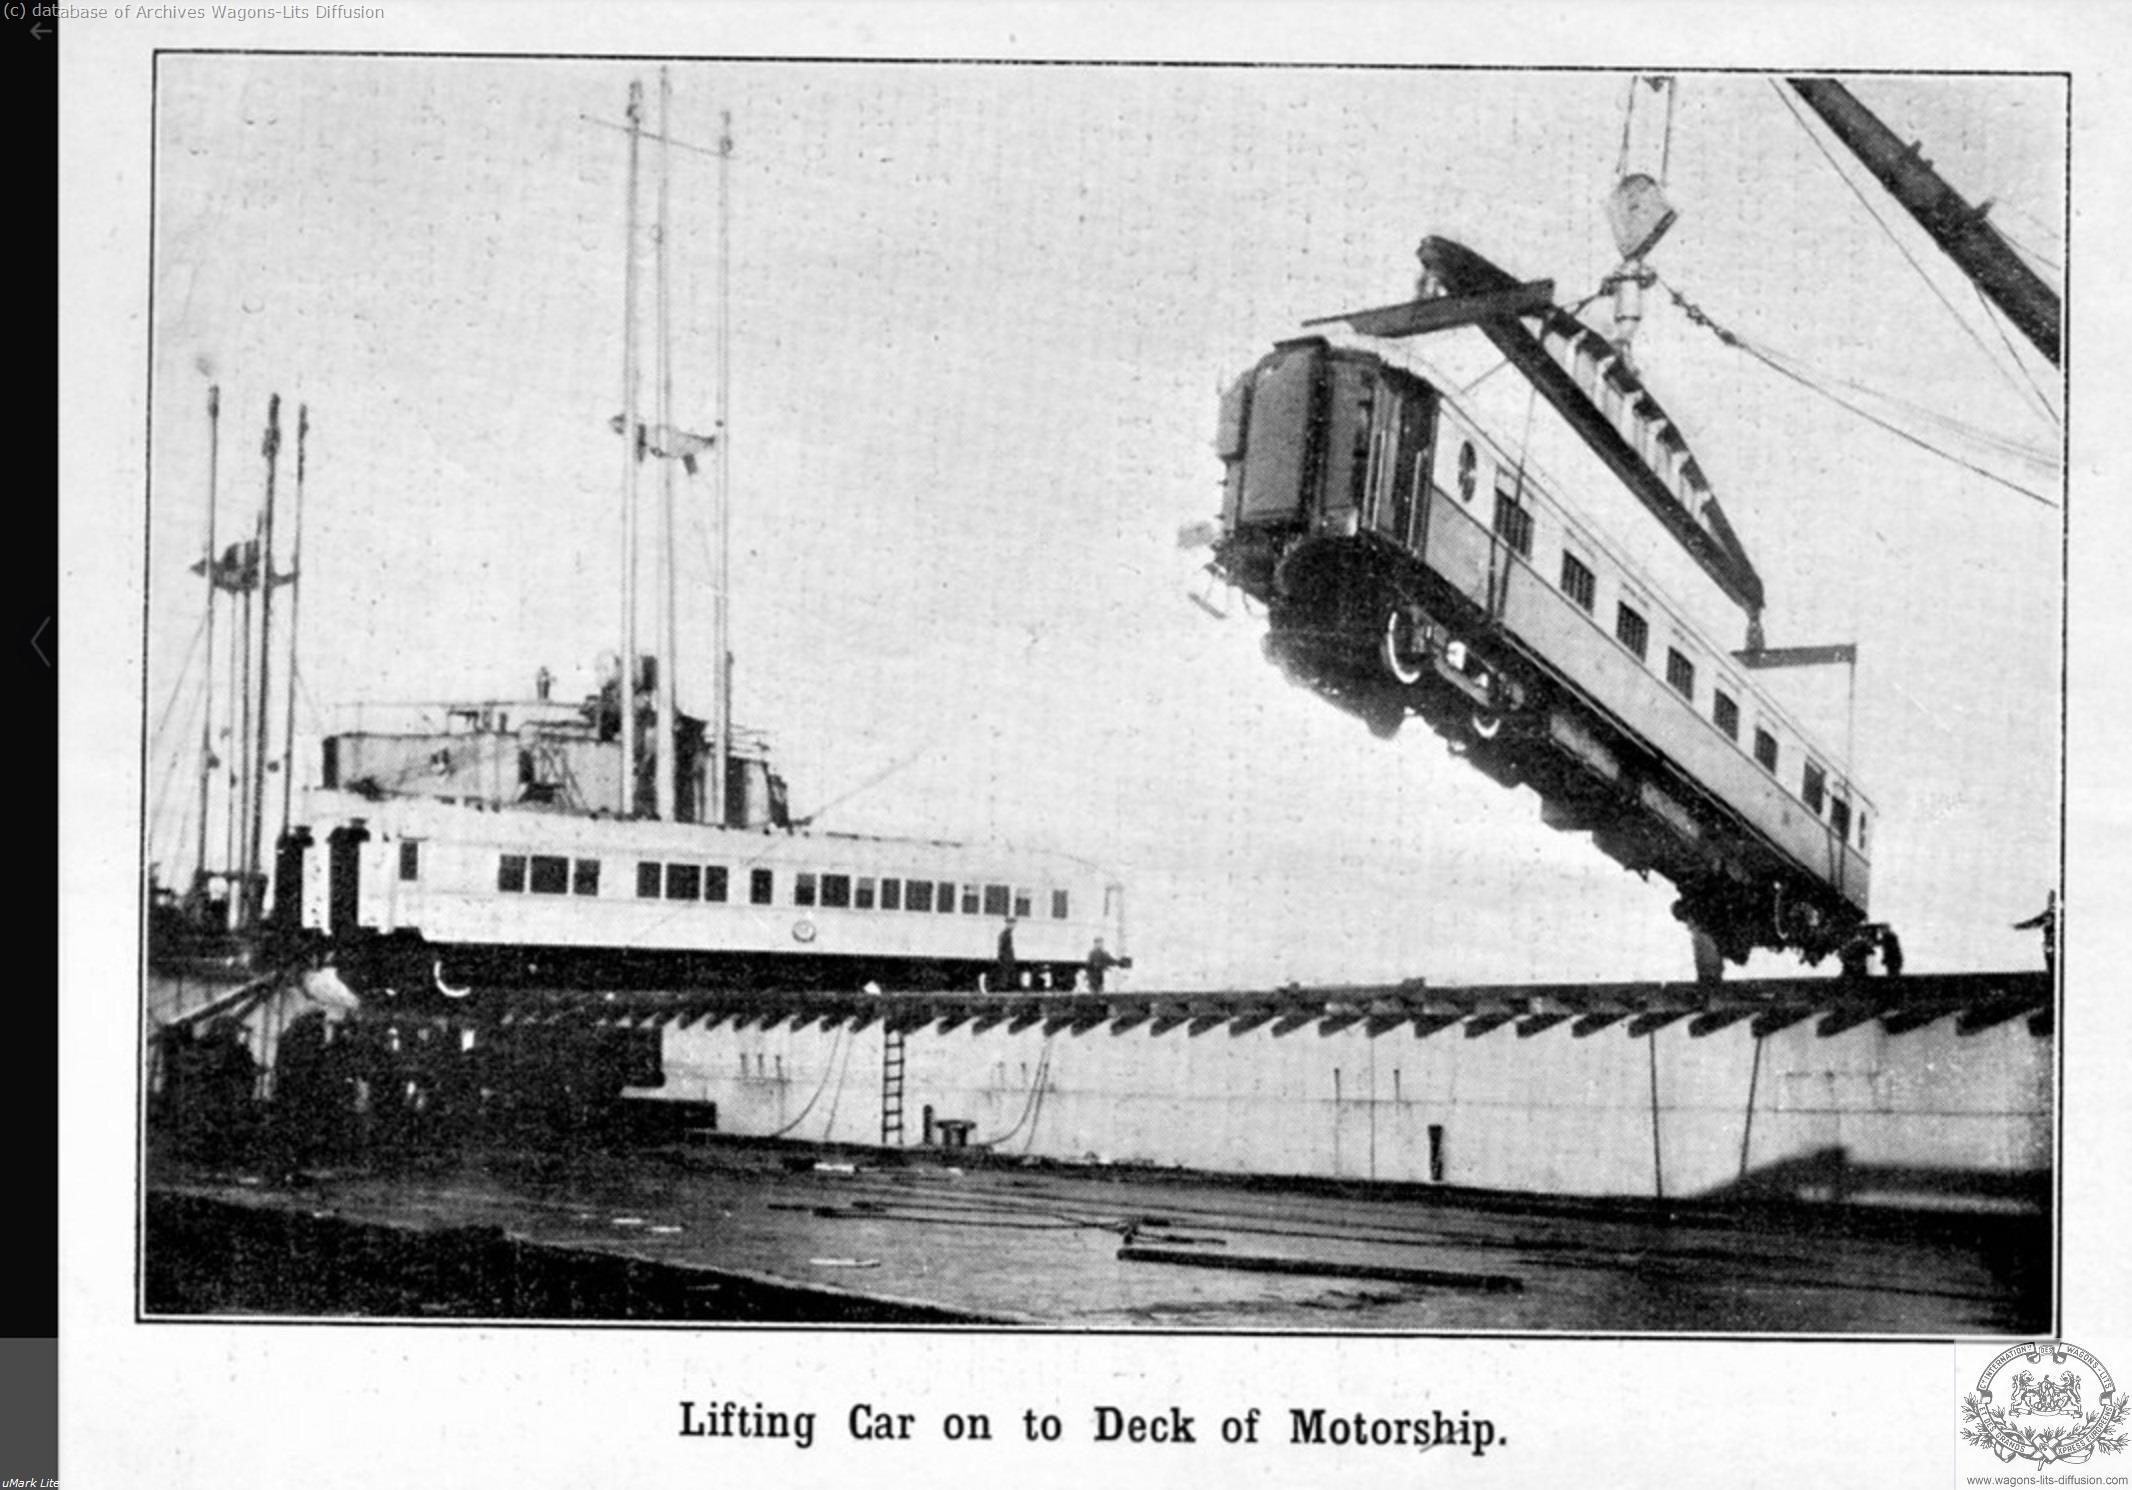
(1977, 1001)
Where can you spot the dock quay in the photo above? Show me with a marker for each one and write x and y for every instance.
(1762, 1155)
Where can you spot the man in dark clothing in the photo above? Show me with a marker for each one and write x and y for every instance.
(1100, 962)
(1891, 953)
(2047, 921)
(1007, 973)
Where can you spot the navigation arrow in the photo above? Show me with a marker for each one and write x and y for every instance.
(41, 625)
(38, 30)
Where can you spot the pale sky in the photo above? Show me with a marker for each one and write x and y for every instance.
(982, 315)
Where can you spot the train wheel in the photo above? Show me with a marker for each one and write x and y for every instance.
(1402, 658)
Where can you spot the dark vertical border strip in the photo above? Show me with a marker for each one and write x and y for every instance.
(29, 1327)
(31, 70)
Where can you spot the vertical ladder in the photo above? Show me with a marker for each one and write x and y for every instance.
(892, 1088)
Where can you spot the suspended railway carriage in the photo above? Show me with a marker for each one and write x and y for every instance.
(1411, 565)
(422, 893)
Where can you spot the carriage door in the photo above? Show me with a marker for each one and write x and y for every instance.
(1415, 403)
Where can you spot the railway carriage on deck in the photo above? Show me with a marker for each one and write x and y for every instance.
(423, 882)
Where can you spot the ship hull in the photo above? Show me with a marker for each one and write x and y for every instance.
(1953, 1114)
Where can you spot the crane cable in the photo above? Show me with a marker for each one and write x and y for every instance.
(1938, 294)
(1699, 317)
(1661, 82)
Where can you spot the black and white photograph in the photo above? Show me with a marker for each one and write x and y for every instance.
(905, 702)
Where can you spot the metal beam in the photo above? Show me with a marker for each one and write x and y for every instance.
(1958, 228)
(1443, 312)
(1464, 273)
(1759, 657)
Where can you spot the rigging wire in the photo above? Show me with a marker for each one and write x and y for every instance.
(1658, 82)
(820, 1087)
(1665, 152)
(2029, 253)
(1029, 1106)
(865, 786)
(163, 825)
(2054, 232)
(1573, 312)
(829, 1123)
(2044, 458)
(1967, 329)
(1733, 339)
(178, 691)
(1999, 325)
(2036, 455)
(177, 688)
(1628, 116)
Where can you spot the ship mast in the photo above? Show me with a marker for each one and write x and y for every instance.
(626, 684)
(663, 438)
(722, 662)
(271, 449)
(296, 559)
(663, 752)
(207, 719)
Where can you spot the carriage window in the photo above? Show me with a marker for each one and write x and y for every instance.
(1861, 832)
(1513, 519)
(891, 895)
(511, 873)
(803, 890)
(1468, 469)
(585, 877)
(1577, 581)
(761, 885)
(551, 874)
(1839, 816)
(684, 882)
(714, 882)
(863, 897)
(1726, 711)
(647, 881)
(1814, 786)
(1765, 748)
(1633, 631)
(920, 897)
(410, 859)
(969, 900)
(995, 900)
(1021, 904)
(1680, 672)
(836, 889)
(1058, 905)
(944, 897)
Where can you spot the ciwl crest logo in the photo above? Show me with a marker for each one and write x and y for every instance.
(2013, 1432)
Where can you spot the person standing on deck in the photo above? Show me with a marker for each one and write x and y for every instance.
(1006, 972)
(2047, 921)
(1100, 962)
